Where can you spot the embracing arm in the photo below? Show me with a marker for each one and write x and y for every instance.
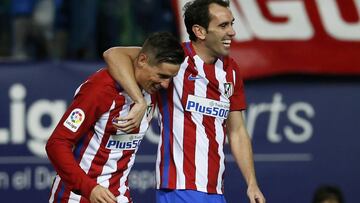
(120, 65)
(242, 151)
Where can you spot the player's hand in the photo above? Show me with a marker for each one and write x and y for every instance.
(101, 195)
(133, 119)
(255, 195)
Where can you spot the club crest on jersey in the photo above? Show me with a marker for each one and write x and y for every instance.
(207, 106)
(228, 89)
(74, 120)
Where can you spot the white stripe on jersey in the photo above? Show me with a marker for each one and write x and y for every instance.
(158, 157)
(122, 190)
(234, 77)
(89, 154)
(95, 141)
(78, 89)
(109, 167)
(178, 118)
(220, 75)
(100, 125)
(55, 186)
(202, 142)
(122, 199)
(74, 198)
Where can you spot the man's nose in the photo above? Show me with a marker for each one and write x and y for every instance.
(231, 31)
(165, 83)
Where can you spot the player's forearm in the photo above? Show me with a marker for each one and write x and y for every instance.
(243, 155)
(120, 65)
(241, 146)
(61, 156)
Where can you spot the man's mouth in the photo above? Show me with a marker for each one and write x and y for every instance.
(227, 43)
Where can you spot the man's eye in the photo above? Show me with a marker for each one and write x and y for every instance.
(164, 76)
(224, 25)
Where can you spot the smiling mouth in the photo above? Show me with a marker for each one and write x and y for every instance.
(227, 43)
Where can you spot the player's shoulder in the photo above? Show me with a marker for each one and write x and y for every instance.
(232, 61)
(229, 62)
(98, 85)
(101, 79)
(101, 76)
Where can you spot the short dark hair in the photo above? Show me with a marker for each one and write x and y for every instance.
(163, 47)
(197, 12)
(327, 192)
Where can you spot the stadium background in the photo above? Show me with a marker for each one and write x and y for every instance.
(301, 68)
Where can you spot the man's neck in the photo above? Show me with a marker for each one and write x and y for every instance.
(203, 52)
(136, 72)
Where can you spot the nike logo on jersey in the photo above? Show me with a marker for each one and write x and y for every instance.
(191, 77)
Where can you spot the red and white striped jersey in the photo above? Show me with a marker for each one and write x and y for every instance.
(87, 150)
(192, 113)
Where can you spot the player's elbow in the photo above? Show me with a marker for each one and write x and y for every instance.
(49, 147)
(111, 52)
(106, 53)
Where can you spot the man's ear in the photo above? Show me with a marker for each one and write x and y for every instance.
(142, 59)
(199, 31)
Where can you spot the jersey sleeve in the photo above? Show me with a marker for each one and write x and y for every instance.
(237, 100)
(80, 116)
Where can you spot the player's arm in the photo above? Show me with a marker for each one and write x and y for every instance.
(73, 125)
(120, 65)
(242, 151)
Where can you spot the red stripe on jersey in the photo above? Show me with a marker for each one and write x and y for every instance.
(212, 92)
(127, 193)
(66, 195)
(189, 141)
(229, 71)
(56, 195)
(169, 104)
(114, 182)
(172, 167)
(237, 100)
(102, 154)
(161, 165)
(84, 200)
(122, 165)
(85, 145)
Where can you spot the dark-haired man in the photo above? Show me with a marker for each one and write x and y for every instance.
(203, 103)
(92, 158)
(328, 194)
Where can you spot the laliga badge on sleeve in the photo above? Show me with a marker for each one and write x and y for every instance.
(75, 119)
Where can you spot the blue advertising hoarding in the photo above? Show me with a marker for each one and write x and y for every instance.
(304, 133)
